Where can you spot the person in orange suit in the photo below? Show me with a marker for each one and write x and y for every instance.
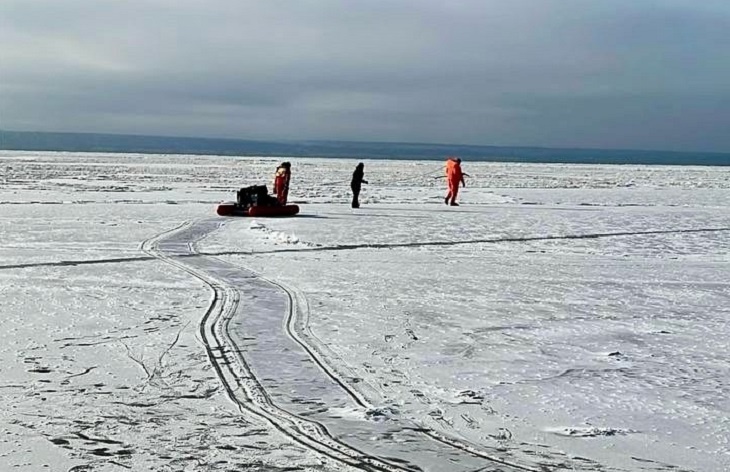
(281, 182)
(454, 176)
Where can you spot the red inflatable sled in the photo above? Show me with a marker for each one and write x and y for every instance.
(256, 201)
(234, 209)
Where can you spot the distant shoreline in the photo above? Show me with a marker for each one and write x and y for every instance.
(117, 143)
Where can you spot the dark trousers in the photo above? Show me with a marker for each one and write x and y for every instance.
(355, 196)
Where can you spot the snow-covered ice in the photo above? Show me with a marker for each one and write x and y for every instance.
(573, 316)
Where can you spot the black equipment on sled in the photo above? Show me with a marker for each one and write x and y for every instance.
(256, 201)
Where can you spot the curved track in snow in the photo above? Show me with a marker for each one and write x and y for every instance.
(257, 341)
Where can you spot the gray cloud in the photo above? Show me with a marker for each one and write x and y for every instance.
(605, 73)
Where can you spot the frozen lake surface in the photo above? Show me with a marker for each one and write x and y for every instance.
(567, 316)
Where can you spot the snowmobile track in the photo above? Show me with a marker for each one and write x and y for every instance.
(177, 247)
(242, 387)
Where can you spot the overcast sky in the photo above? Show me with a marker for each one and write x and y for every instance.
(640, 74)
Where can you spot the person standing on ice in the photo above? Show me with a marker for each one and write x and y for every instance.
(356, 183)
(281, 182)
(454, 176)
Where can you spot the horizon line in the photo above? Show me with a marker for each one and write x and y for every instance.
(344, 141)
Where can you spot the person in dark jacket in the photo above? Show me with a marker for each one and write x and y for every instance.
(356, 183)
